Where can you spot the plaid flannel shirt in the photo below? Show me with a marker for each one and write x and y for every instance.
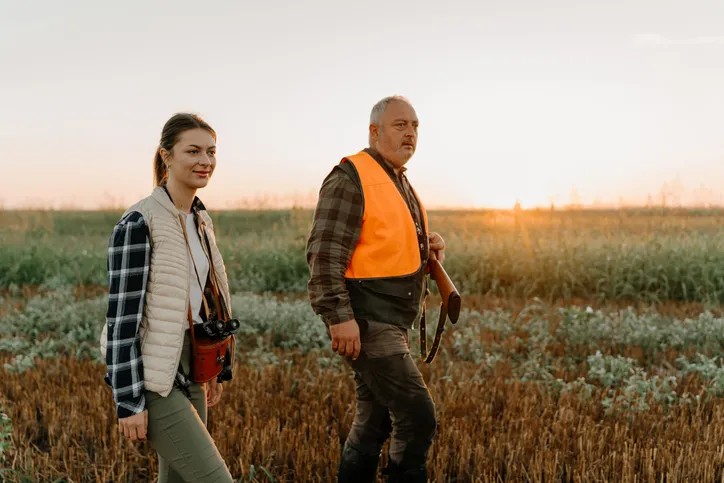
(129, 259)
(334, 236)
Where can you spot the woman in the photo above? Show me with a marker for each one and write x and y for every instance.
(160, 252)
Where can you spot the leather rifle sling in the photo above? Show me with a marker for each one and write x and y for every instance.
(423, 332)
(428, 357)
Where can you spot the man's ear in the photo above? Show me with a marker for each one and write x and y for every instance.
(374, 131)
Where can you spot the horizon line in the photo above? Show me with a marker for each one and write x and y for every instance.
(551, 207)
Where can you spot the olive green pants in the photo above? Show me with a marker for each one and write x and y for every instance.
(177, 431)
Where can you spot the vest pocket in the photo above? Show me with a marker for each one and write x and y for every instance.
(401, 288)
(389, 300)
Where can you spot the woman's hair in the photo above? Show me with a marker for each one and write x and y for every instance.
(172, 131)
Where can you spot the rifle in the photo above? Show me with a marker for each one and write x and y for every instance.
(449, 307)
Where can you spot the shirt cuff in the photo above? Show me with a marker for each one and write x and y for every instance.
(341, 314)
(131, 407)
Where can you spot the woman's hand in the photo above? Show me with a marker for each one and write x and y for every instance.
(134, 427)
(213, 393)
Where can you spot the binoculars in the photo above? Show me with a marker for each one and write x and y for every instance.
(218, 329)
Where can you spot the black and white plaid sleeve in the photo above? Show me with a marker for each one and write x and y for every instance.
(129, 257)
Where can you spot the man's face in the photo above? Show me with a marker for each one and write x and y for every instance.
(396, 136)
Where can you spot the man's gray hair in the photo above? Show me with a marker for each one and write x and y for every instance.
(379, 108)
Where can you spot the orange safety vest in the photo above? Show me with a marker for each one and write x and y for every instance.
(385, 275)
(388, 244)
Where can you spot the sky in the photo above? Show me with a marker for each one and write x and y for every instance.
(598, 103)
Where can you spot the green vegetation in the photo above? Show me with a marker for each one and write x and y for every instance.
(628, 255)
(621, 353)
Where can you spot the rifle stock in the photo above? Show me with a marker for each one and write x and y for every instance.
(450, 297)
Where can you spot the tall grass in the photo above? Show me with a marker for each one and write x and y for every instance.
(626, 255)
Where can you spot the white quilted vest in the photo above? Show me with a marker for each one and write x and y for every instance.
(167, 292)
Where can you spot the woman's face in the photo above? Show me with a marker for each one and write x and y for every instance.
(192, 160)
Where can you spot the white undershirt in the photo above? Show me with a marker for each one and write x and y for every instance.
(202, 264)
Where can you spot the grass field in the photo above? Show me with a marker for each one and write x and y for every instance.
(628, 255)
(589, 349)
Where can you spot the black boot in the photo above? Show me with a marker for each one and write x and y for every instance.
(357, 467)
(394, 473)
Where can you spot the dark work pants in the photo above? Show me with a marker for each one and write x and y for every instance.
(392, 400)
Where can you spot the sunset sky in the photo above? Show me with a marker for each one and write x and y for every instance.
(519, 100)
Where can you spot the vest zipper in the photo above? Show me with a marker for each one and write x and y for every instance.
(402, 179)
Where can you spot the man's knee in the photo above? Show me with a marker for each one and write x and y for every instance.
(371, 426)
(422, 421)
(414, 432)
(369, 438)
(425, 420)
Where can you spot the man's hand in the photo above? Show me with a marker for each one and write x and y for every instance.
(213, 393)
(134, 427)
(345, 339)
(437, 245)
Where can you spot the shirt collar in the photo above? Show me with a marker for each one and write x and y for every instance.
(196, 205)
(383, 162)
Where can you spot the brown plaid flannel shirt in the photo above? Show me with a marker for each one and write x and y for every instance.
(334, 236)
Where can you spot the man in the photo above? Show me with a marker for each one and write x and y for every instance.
(368, 252)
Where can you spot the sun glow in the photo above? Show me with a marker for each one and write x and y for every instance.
(537, 146)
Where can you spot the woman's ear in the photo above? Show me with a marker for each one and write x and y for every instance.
(165, 156)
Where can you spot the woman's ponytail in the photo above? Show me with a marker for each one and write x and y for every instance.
(160, 171)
